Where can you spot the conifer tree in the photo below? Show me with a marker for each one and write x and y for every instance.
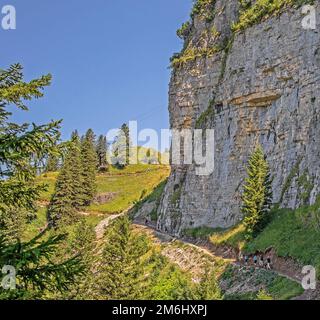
(121, 147)
(102, 150)
(52, 164)
(126, 131)
(82, 243)
(69, 192)
(208, 288)
(257, 194)
(61, 208)
(74, 164)
(89, 167)
(121, 269)
(21, 146)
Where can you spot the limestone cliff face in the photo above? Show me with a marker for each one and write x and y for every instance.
(263, 87)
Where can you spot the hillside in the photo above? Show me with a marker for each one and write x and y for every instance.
(117, 191)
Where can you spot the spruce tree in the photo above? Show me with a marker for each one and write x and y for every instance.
(257, 194)
(68, 195)
(121, 147)
(82, 243)
(21, 146)
(89, 167)
(75, 166)
(208, 288)
(61, 210)
(102, 150)
(126, 132)
(121, 269)
(52, 164)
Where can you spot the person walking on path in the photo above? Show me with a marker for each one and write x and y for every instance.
(240, 256)
(255, 260)
(269, 263)
(261, 262)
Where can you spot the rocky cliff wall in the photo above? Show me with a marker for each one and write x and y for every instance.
(261, 85)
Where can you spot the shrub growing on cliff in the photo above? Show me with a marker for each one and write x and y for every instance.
(204, 9)
(253, 13)
(257, 194)
(182, 33)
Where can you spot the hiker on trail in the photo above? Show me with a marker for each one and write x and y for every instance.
(255, 259)
(269, 263)
(240, 256)
(246, 260)
(261, 262)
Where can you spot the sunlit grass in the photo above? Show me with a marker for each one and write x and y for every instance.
(127, 185)
(233, 237)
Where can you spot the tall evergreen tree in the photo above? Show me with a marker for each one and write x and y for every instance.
(20, 146)
(69, 191)
(126, 131)
(82, 243)
(257, 194)
(121, 147)
(102, 149)
(121, 269)
(89, 167)
(208, 288)
(76, 168)
(61, 208)
(52, 163)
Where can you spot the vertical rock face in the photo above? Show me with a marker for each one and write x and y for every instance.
(262, 88)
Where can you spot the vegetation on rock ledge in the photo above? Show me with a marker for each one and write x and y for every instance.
(253, 13)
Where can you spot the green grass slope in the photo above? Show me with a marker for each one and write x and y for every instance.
(292, 233)
(125, 186)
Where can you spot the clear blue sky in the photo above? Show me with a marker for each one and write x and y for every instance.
(109, 59)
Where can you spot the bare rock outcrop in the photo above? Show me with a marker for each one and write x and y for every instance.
(262, 85)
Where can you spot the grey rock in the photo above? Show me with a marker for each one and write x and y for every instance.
(266, 90)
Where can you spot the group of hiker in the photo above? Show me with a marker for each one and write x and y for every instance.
(257, 260)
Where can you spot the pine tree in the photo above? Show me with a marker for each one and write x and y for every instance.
(52, 164)
(69, 194)
(126, 132)
(74, 165)
(82, 243)
(148, 155)
(121, 269)
(21, 146)
(208, 288)
(102, 150)
(257, 194)
(89, 167)
(121, 148)
(61, 208)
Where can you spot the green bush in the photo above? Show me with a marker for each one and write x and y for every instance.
(183, 31)
(256, 12)
(204, 9)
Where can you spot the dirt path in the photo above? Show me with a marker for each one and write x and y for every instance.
(228, 254)
(283, 267)
(101, 227)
